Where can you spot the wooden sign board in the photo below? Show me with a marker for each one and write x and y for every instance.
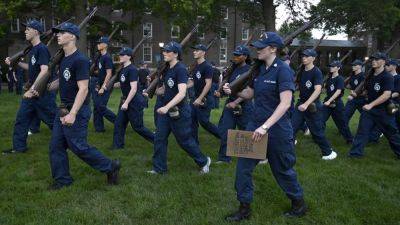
(241, 145)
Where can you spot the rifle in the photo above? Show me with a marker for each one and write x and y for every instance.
(113, 79)
(362, 86)
(17, 56)
(159, 72)
(93, 67)
(240, 83)
(226, 75)
(195, 63)
(40, 84)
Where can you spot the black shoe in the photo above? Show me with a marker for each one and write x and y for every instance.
(57, 186)
(243, 213)
(299, 209)
(112, 176)
(11, 151)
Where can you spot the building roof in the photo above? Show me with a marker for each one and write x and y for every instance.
(330, 43)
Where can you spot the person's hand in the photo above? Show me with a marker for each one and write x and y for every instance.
(124, 107)
(367, 107)
(7, 61)
(217, 94)
(69, 119)
(198, 102)
(145, 94)
(227, 89)
(303, 107)
(101, 91)
(28, 94)
(258, 134)
(231, 105)
(350, 97)
(327, 103)
(162, 110)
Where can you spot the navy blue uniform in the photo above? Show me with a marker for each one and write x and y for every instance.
(214, 87)
(10, 78)
(337, 112)
(181, 128)
(19, 73)
(100, 101)
(142, 84)
(396, 88)
(73, 68)
(134, 113)
(229, 120)
(43, 107)
(313, 120)
(201, 114)
(281, 156)
(377, 117)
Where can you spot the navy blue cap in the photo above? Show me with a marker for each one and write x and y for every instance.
(35, 25)
(104, 40)
(173, 47)
(200, 47)
(379, 55)
(241, 50)
(309, 52)
(126, 51)
(335, 63)
(357, 62)
(268, 39)
(67, 27)
(394, 62)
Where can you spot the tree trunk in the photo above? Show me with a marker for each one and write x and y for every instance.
(396, 35)
(80, 10)
(268, 14)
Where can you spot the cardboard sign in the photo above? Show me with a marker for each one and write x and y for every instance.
(240, 144)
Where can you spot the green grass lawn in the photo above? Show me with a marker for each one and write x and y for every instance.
(342, 191)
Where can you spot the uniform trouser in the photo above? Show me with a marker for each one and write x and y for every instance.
(349, 110)
(369, 120)
(230, 121)
(157, 105)
(44, 108)
(18, 85)
(34, 127)
(303, 127)
(201, 115)
(101, 110)
(281, 158)
(75, 139)
(339, 119)
(215, 100)
(134, 115)
(315, 125)
(397, 116)
(11, 85)
(181, 128)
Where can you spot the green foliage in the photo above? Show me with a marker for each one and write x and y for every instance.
(289, 27)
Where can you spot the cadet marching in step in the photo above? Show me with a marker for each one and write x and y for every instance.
(265, 106)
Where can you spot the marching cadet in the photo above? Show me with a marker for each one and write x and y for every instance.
(333, 104)
(216, 80)
(144, 73)
(237, 111)
(308, 106)
(102, 95)
(174, 114)
(71, 122)
(355, 102)
(44, 107)
(203, 98)
(391, 67)
(272, 89)
(379, 86)
(11, 79)
(132, 102)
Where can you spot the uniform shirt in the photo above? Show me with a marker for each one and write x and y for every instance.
(73, 68)
(396, 87)
(104, 63)
(237, 72)
(377, 84)
(201, 72)
(216, 75)
(126, 76)
(172, 77)
(267, 87)
(355, 80)
(307, 82)
(332, 85)
(143, 73)
(38, 56)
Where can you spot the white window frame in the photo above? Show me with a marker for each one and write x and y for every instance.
(178, 30)
(148, 25)
(147, 46)
(226, 33)
(225, 11)
(13, 30)
(245, 34)
(223, 51)
(43, 21)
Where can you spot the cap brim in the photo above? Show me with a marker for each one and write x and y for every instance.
(258, 44)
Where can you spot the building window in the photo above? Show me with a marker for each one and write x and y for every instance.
(175, 30)
(223, 33)
(225, 12)
(223, 52)
(147, 53)
(245, 34)
(148, 29)
(15, 25)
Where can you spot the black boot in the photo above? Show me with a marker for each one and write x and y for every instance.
(112, 176)
(299, 209)
(243, 213)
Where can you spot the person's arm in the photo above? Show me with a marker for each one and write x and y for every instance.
(107, 79)
(246, 94)
(23, 65)
(108, 65)
(176, 100)
(130, 96)
(15, 77)
(333, 97)
(395, 94)
(69, 119)
(204, 92)
(190, 83)
(381, 99)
